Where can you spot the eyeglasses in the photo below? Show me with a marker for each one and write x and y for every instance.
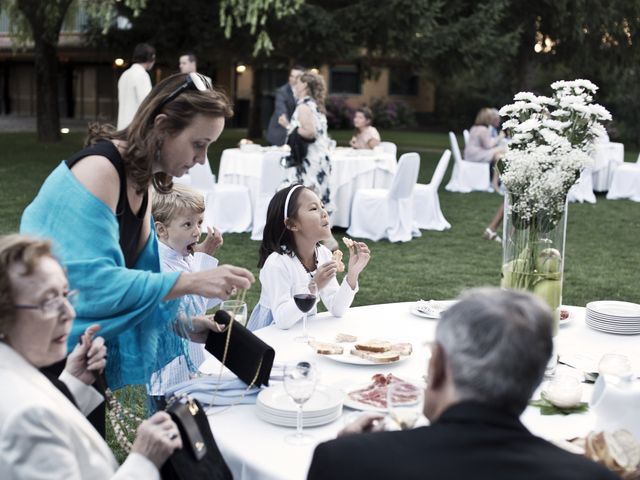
(54, 305)
(194, 81)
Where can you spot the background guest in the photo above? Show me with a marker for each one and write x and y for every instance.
(482, 147)
(42, 434)
(134, 83)
(285, 104)
(188, 63)
(366, 135)
(489, 355)
(102, 193)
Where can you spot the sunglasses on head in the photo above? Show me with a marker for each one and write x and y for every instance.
(194, 81)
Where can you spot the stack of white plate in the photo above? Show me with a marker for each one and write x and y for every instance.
(614, 317)
(324, 406)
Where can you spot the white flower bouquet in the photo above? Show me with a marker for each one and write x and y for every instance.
(551, 139)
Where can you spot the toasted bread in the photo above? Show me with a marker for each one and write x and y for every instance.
(374, 346)
(346, 338)
(347, 242)
(403, 349)
(325, 348)
(377, 357)
(337, 257)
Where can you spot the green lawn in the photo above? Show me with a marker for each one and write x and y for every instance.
(602, 247)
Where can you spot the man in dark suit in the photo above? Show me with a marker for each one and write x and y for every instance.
(285, 104)
(490, 353)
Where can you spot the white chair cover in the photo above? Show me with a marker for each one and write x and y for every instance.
(626, 182)
(467, 176)
(379, 213)
(465, 136)
(582, 191)
(426, 204)
(272, 176)
(227, 207)
(389, 147)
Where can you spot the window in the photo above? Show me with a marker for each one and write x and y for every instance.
(344, 79)
(402, 81)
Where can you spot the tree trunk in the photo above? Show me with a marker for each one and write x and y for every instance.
(255, 117)
(527, 68)
(45, 20)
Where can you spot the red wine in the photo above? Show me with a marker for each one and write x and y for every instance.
(304, 301)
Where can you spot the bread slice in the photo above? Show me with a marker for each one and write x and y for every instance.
(347, 242)
(346, 338)
(337, 257)
(374, 346)
(326, 348)
(377, 357)
(403, 349)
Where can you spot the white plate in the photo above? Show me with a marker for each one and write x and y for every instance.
(433, 308)
(567, 320)
(306, 421)
(323, 398)
(366, 407)
(615, 308)
(353, 360)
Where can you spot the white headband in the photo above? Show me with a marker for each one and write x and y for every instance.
(286, 202)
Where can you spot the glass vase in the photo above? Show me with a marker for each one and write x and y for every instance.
(533, 254)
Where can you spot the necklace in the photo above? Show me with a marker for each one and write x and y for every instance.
(315, 258)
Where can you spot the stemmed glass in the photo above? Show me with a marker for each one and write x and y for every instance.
(405, 403)
(305, 296)
(237, 309)
(300, 380)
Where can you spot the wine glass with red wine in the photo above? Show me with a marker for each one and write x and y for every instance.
(305, 296)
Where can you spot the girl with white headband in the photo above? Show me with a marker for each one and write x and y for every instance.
(291, 254)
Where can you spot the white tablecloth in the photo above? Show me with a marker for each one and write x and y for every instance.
(350, 169)
(606, 158)
(255, 449)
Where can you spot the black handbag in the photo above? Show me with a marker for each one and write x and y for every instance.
(241, 351)
(199, 457)
(299, 147)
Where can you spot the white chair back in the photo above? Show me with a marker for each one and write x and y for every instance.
(455, 148)
(638, 160)
(332, 144)
(441, 168)
(389, 147)
(465, 136)
(272, 174)
(406, 176)
(201, 176)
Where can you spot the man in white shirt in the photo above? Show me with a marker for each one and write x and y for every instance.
(188, 63)
(135, 84)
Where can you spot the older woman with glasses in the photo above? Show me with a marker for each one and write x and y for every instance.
(95, 206)
(42, 434)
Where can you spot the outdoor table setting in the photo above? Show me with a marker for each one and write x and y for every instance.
(607, 156)
(351, 169)
(254, 438)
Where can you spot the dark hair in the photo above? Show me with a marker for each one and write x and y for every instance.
(143, 53)
(366, 111)
(276, 236)
(297, 67)
(144, 139)
(191, 55)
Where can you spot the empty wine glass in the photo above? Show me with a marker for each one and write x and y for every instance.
(405, 403)
(237, 309)
(305, 296)
(615, 365)
(300, 380)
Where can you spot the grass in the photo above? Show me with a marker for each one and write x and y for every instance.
(602, 254)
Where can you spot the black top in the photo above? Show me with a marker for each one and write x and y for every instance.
(469, 440)
(130, 224)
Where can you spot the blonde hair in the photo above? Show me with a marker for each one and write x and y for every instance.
(485, 117)
(165, 206)
(17, 249)
(316, 88)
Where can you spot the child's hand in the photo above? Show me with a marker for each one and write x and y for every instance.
(210, 244)
(359, 256)
(325, 273)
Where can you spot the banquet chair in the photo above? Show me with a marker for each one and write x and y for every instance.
(389, 147)
(426, 204)
(582, 191)
(227, 206)
(626, 182)
(378, 213)
(272, 176)
(465, 136)
(467, 176)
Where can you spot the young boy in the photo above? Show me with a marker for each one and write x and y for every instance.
(178, 217)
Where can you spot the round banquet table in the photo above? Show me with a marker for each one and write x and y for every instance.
(255, 449)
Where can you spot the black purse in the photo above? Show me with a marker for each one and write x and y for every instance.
(299, 147)
(241, 351)
(199, 457)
